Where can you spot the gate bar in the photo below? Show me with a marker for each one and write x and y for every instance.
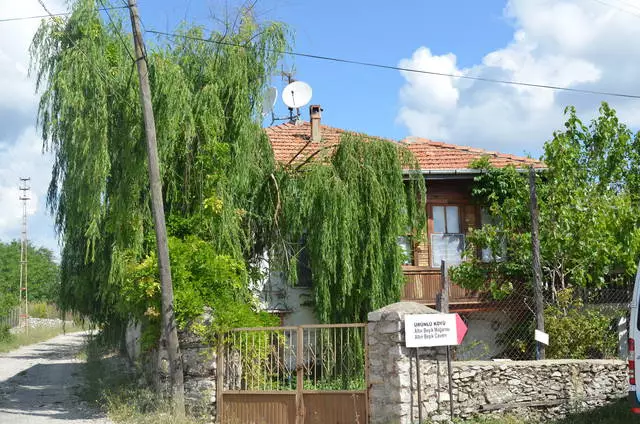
(219, 380)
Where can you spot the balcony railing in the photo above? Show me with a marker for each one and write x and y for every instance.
(423, 284)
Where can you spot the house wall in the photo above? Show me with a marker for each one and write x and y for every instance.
(293, 303)
(277, 296)
(481, 341)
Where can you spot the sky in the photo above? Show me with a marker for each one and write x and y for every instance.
(582, 44)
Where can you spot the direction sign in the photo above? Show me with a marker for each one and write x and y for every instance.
(422, 330)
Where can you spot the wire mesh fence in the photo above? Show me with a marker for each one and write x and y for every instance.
(581, 323)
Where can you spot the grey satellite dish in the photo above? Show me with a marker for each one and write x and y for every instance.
(269, 100)
(296, 95)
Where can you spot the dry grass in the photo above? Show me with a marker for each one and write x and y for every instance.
(9, 342)
(113, 386)
(141, 406)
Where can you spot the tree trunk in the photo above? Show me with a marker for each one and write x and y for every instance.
(169, 331)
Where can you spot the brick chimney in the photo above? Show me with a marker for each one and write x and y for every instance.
(315, 115)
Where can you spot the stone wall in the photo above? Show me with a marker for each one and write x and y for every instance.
(199, 368)
(534, 389)
(538, 389)
(199, 364)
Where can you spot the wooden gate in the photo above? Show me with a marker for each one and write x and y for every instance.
(311, 374)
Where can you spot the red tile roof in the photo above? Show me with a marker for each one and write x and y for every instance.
(291, 143)
(434, 155)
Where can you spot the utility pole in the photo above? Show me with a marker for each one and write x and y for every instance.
(537, 269)
(24, 248)
(168, 332)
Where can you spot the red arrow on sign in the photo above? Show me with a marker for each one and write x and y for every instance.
(461, 328)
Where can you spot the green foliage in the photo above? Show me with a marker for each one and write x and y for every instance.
(575, 331)
(579, 332)
(5, 334)
(226, 200)
(350, 208)
(43, 275)
(38, 310)
(202, 280)
(589, 215)
(213, 152)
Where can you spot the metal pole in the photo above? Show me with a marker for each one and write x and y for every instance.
(220, 378)
(419, 386)
(535, 254)
(24, 247)
(438, 381)
(450, 381)
(300, 375)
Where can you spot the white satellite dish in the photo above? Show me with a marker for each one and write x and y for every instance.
(269, 100)
(296, 95)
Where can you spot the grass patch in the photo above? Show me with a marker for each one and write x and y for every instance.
(616, 413)
(113, 386)
(9, 341)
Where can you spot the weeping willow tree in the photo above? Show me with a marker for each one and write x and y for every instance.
(349, 209)
(224, 194)
(212, 149)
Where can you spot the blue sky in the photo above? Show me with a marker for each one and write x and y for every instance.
(356, 97)
(582, 44)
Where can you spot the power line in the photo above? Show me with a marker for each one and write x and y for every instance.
(620, 8)
(51, 15)
(116, 30)
(404, 69)
(44, 7)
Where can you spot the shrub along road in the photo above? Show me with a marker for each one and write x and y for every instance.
(39, 384)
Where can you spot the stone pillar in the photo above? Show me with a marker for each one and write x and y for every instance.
(393, 396)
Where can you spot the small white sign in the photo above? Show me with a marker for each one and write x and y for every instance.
(424, 330)
(542, 337)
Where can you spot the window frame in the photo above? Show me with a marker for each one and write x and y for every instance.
(431, 227)
(411, 249)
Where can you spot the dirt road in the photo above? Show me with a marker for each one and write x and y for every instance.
(39, 384)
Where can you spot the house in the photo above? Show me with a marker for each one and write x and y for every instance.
(451, 213)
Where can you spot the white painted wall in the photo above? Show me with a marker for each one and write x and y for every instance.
(274, 294)
(481, 340)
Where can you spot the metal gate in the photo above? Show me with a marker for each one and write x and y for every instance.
(310, 374)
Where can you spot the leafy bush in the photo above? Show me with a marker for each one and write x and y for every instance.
(575, 331)
(202, 279)
(5, 334)
(579, 332)
(38, 310)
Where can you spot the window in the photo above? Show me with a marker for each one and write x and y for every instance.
(447, 240)
(304, 266)
(406, 246)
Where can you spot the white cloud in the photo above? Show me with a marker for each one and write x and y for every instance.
(20, 145)
(571, 43)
